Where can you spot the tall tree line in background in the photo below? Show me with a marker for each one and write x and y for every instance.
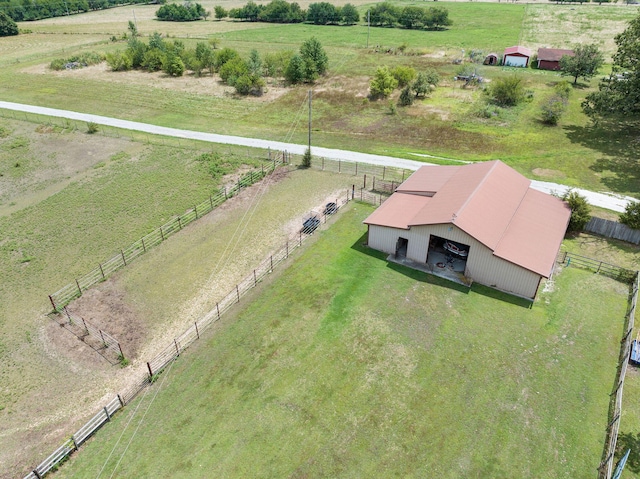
(23, 11)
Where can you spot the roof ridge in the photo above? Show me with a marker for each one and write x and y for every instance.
(475, 190)
(506, 228)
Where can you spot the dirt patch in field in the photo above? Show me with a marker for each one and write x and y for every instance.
(189, 83)
(548, 173)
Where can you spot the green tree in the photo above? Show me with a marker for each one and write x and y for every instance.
(383, 83)
(349, 14)
(618, 96)
(412, 17)
(437, 17)
(248, 84)
(507, 91)
(173, 65)
(153, 60)
(384, 14)
(585, 63)
(552, 109)
(223, 56)
(220, 12)
(133, 29)
(295, 71)
(580, 210)
(205, 55)
(119, 61)
(275, 64)
(7, 26)
(314, 57)
(255, 63)
(404, 75)
(232, 70)
(631, 215)
(322, 13)
(306, 158)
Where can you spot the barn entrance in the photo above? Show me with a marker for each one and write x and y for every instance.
(447, 258)
(401, 247)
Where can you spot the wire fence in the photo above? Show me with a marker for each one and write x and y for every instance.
(71, 291)
(615, 406)
(156, 365)
(92, 336)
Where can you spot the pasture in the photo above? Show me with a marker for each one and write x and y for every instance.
(448, 124)
(344, 365)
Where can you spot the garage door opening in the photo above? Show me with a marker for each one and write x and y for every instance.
(446, 256)
(401, 247)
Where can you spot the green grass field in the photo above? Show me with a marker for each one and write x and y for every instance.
(574, 153)
(345, 366)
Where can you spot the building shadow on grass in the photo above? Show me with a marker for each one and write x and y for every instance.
(620, 145)
(361, 246)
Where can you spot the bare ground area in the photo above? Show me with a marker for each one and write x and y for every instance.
(152, 301)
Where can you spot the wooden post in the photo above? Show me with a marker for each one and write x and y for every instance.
(255, 279)
(218, 308)
(195, 208)
(75, 444)
(238, 292)
(106, 411)
(54, 304)
(365, 180)
(353, 192)
(144, 248)
(211, 201)
(356, 169)
(175, 341)
(67, 313)
(197, 332)
(384, 169)
(123, 258)
(78, 285)
(104, 343)
(121, 401)
(85, 325)
(339, 166)
(161, 234)
(121, 353)
(287, 246)
(374, 183)
(300, 238)
(225, 193)
(270, 258)
(179, 223)
(149, 368)
(35, 471)
(323, 163)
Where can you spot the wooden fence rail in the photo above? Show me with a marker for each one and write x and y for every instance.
(612, 229)
(173, 350)
(606, 466)
(68, 293)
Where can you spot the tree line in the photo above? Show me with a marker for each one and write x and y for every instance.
(323, 13)
(246, 75)
(24, 11)
(188, 12)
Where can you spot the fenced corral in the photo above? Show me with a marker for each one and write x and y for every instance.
(370, 197)
(600, 267)
(382, 186)
(615, 411)
(180, 343)
(612, 229)
(68, 293)
(94, 337)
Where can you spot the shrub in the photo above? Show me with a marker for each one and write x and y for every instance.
(507, 91)
(233, 69)
(248, 84)
(580, 210)
(563, 89)
(306, 159)
(223, 56)
(295, 71)
(314, 56)
(404, 75)
(553, 109)
(424, 81)
(349, 14)
(153, 60)
(406, 98)
(383, 83)
(7, 26)
(58, 64)
(173, 65)
(631, 215)
(92, 128)
(220, 12)
(119, 61)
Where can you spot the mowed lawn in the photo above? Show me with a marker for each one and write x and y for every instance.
(346, 366)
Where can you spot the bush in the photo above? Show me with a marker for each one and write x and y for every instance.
(383, 83)
(220, 12)
(553, 109)
(631, 215)
(406, 98)
(580, 210)
(92, 128)
(7, 26)
(58, 64)
(507, 91)
(173, 65)
(295, 71)
(404, 75)
(306, 159)
(233, 69)
(424, 81)
(349, 14)
(314, 57)
(249, 85)
(223, 56)
(563, 89)
(153, 60)
(119, 61)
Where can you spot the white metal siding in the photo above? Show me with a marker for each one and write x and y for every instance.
(513, 61)
(482, 266)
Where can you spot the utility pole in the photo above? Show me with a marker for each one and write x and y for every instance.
(134, 19)
(368, 26)
(310, 91)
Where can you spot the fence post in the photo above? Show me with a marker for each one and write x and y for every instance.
(271, 260)
(300, 239)
(356, 169)
(54, 304)
(287, 246)
(120, 348)
(35, 471)
(149, 368)
(78, 285)
(102, 336)
(384, 169)
(365, 180)
(106, 411)
(179, 223)
(144, 248)
(75, 444)
(374, 184)
(238, 292)
(161, 234)
(218, 308)
(255, 279)
(197, 332)
(175, 341)
(123, 258)
(353, 192)
(225, 193)
(323, 163)
(211, 201)
(102, 271)
(195, 208)
(85, 325)
(339, 166)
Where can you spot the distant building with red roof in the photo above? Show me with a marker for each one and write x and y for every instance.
(482, 221)
(516, 57)
(549, 58)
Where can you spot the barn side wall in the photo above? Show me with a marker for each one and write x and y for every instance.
(547, 65)
(482, 266)
(516, 60)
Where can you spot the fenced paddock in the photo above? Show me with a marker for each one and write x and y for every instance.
(605, 469)
(176, 347)
(71, 291)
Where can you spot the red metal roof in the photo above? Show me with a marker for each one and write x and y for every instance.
(553, 54)
(517, 50)
(489, 201)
